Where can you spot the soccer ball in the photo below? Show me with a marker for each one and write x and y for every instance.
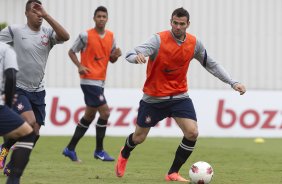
(201, 173)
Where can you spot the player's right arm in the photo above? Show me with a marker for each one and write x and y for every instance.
(78, 46)
(61, 33)
(149, 48)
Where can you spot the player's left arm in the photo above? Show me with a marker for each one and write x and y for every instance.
(216, 69)
(10, 70)
(239, 87)
(61, 33)
(115, 53)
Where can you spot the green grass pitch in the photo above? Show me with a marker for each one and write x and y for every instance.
(234, 160)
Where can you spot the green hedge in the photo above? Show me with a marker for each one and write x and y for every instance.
(3, 25)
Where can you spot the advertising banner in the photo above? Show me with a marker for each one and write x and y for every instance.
(220, 113)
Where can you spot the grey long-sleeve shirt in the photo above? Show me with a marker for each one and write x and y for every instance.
(151, 48)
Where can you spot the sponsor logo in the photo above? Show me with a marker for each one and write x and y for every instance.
(148, 119)
(20, 106)
(44, 40)
(101, 98)
(61, 115)
(169, 70)
(102, 158)
(98, 58)
(248, 119)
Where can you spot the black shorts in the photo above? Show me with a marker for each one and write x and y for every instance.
(149, 114)
(93, 95)
(34, 101)
(9, 120)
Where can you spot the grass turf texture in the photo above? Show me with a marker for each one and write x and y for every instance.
(235, 161)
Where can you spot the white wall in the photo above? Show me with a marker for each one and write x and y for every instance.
(245, 36)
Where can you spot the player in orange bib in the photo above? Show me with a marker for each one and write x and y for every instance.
(166, 91)
(97, 47)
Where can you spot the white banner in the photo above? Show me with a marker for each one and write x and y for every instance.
(220, 113)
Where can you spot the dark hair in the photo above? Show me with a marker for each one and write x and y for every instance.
(29, 2)
(101, 8)
(181, 12)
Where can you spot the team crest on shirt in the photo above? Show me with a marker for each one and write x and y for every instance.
(20, 106)
(44, 40)
(101, 98)
(148, 119)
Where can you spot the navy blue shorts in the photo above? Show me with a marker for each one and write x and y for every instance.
(9, 120)
(34, 101)
(149, 114)
(93, 95)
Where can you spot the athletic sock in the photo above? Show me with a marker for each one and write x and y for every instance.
(36, 139)
(5, 139)
(8, 143)
(80, 130)
(128, 147)
(101, 127)
(183, 151)
(20, 157)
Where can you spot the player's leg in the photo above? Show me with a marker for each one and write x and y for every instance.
(8, 123)
(185, 149)
(31, 107)
(94, 99)
(185, 116)
(132, 140)
(101, 127)
(79, 132)
(22, 107)
(148, 116)
(37, 100)
(20, 155)
(29, 117)
(14, 127)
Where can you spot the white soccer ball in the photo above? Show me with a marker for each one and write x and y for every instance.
(201, 173)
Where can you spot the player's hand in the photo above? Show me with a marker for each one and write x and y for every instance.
(240, 88)
(38, 9)
(116, 53)
(83, 70)
(140, 59)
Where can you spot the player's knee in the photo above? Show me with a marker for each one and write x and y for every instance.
(192, 134)
(85, 122)
(89, 117)
(105, 114)
(27, 129)
(31, 121)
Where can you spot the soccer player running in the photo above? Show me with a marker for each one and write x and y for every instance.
(165, 90)
(11, 124)
(97, 47)
(32, 43)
